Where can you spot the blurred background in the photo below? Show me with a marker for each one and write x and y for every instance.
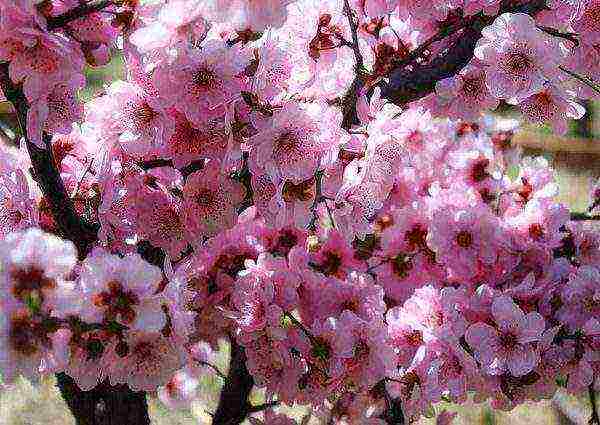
(575, 158)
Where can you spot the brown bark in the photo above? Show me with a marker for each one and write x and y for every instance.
(234, 405)
(105, 404)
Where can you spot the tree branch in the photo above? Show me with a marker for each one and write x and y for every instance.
(234, 406)
(350, 99)
(584, 217)
(393, 413)
(264, 406)
(595, 418)
(85, 9)
(104, 405)
(581, 78)
(407, 84)
(571, 36)
(46, 174)
(160, 162)
(354, 31)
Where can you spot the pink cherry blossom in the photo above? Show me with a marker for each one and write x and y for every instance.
(507, 346)
(161, 221)
(33, 264)
(369, 358)
(175, 22)
(581, 297)
(595, 196)
(292, 146)
(211, 200)
(151, 361)
(464, 240)
(586, 20)
(519, 57)
(29, 346)
(180, 390)
(312, 183)
(202, 83)
(121, 290)
(553, 105)
(465, 94)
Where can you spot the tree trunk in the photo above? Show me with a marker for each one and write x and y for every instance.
(105, 404)
(234, 406)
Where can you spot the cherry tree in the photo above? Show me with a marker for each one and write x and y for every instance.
(319, 183)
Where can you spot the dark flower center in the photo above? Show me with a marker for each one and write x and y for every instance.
(117, 302)
(536, 231)
(30, 282)
(464, 239)
(518, 63)
(204, 78)
(416, 236)
(402, 265)
(508, 340)
(479, 170)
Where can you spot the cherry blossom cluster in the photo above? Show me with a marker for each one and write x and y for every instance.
(49, 63)
(359, 249)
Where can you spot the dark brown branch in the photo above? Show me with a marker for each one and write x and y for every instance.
(234, 406)
(595, 418)
(104, 405)
(160, 162)
(245, 178)
(350, 99)
(264, 406)
(409, 83)
(584, 217)
(46, 174)
(349, 112)
(57, 22)
(354, 31)
(155, 163)
(571, 36)
(393, 413)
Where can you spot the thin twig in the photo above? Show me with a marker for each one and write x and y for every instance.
(571, 36)
(318, 197)
(354, 31)
(350, 99)
(88, 168)
(329, 211)
(85, 9)
(300, 326)
(264, 406)
(581, 78)
(213, 368)
(584, 217)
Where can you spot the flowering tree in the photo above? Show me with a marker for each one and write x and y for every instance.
(315, 182)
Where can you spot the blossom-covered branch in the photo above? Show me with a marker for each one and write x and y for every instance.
(71, 225)
(409, 84)
(80, 11)
(252, 182)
